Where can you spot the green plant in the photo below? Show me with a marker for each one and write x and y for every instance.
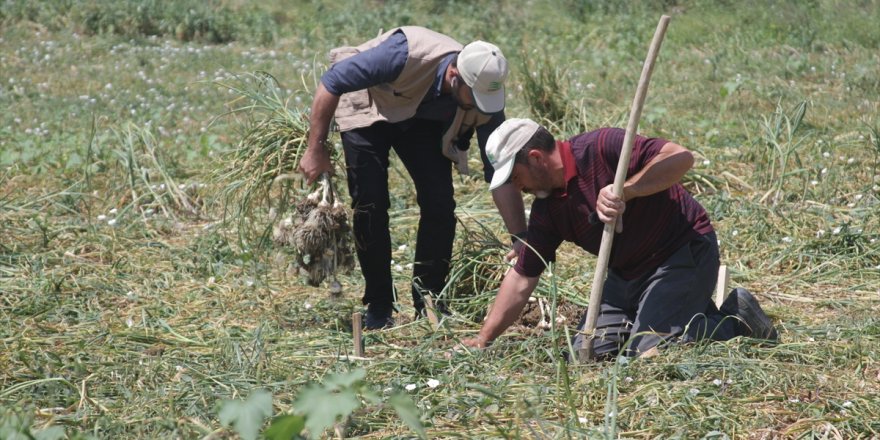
(258, 174)
(318, 407)
(778, 150)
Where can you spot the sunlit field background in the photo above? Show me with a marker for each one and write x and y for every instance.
(140, 296)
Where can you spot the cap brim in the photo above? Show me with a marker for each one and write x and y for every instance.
(502, 174)
(489, 102)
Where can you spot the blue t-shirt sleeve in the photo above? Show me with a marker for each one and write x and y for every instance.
(381, 64)
(483, 133)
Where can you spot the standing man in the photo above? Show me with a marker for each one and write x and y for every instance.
(664, 263)
(422, 94)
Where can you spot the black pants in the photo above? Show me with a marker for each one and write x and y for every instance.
(673, 301)
(418, 144)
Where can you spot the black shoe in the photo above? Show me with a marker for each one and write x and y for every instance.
(377, 320)
(753, 322)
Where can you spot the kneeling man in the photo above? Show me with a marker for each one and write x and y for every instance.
(664, 261)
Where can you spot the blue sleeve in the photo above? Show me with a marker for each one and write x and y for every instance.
(381, 64)
(483, 133)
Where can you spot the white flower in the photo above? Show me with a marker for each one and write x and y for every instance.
(814, 182)
(308, 306)
(707, 162)
(113, 211)
(129, 322)
(786, 239)
(582, 420)
(734, 233)
(694, 391)
(847, 404)
(111, 222)
(836, 230)
(717, 382)
(627, 379)
(820, 233)
(410, 387)
(401, 247)
(398, 268)
(102, 217)
(433, 383)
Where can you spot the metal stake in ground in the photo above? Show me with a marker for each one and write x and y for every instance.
(586, 352)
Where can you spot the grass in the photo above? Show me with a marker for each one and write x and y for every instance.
(129, 309)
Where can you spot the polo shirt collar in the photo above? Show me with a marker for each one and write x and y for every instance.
(437, 86)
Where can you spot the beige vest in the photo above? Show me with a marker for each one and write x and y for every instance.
(398, 100)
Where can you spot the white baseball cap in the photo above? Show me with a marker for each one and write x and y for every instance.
(503, 144)
(484, 69)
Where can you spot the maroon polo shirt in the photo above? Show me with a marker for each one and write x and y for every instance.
(654, 227)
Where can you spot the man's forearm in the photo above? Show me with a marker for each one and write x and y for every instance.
(323, 107)
(508, 199)
(664, 170)
(512, 297)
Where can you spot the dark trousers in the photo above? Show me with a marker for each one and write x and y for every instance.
(418, 144)
(672, 302)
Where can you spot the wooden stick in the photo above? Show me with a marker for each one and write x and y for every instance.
(429, 310)
(721, 286)
(357, 334)
(586, 352)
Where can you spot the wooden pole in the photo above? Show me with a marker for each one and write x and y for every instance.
(357, 334)
(432, 314)
(586, 352)
(721, 286)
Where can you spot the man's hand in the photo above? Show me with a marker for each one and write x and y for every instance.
(315, 161)
(514, 251)
(610, 207)
(475, 342)
(465, 346)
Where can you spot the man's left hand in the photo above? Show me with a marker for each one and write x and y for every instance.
(610, 207)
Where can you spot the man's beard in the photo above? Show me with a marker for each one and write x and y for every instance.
(541, 194)
(542, 177)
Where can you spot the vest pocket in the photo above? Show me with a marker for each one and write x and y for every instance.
(357, 101)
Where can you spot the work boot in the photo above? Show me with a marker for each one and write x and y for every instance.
(752, 322)
(376, 319)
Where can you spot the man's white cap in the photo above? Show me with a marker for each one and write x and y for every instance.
(510, 137)
(484, 69)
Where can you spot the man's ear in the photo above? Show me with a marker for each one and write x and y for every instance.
(536, 157)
